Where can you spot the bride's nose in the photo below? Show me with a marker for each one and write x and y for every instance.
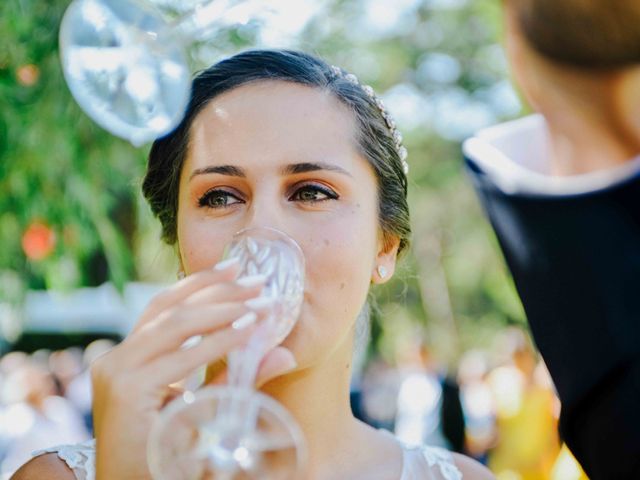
(266, 210)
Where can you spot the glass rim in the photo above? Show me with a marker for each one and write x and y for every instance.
(281, 235)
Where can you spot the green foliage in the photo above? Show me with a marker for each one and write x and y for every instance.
(56, 166)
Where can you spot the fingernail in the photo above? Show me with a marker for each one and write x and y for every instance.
(291, 364)
(259, 303)
(191, 342)
(251, 280)
(244, 321)
(224, 264)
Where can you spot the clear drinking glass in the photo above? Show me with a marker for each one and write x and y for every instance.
(234, 432)
(126, 64)
(124, 68)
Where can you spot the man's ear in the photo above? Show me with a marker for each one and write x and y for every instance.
(386, 258)
(626, 101)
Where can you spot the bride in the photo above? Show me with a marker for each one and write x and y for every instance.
(280, 139)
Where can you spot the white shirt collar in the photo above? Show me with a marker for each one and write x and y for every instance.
(515, 155)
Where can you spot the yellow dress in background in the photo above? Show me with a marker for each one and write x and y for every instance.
(528, 443)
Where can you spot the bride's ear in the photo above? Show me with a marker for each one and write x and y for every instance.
(176, 250)
(386, 258)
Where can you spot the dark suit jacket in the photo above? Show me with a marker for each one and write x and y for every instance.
(575, 260)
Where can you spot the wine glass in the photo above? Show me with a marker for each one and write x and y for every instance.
(126, 63)
(123, 69)
(234, 432)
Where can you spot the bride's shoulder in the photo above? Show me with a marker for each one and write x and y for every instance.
(63, 462)
(471, 469)
(47, 465)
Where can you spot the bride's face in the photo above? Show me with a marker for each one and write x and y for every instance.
(283, 155)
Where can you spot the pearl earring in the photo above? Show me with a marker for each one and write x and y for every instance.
(181, 274)
(382, 271)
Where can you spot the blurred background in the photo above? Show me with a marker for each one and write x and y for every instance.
(449, 361)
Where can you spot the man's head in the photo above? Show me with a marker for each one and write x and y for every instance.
(592, 34)
(578, 63)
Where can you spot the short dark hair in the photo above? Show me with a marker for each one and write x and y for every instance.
(596, 34)
(375, 141)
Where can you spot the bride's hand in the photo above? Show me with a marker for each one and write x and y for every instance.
(131, 382)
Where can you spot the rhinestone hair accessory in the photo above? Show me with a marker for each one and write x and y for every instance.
(391, 124)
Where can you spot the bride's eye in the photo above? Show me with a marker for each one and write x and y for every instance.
(217, 198)
(312, 193)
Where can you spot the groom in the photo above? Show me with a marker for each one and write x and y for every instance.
(562, 191)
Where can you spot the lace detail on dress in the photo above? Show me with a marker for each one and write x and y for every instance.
(436, 456)
(80, 457)
(423, 462)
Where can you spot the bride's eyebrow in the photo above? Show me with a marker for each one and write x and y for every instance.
(228, 170)
(291, 169)
(304, 167)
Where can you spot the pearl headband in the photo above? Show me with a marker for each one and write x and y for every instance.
(391, 124)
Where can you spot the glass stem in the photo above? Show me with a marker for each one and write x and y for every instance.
(242, 370)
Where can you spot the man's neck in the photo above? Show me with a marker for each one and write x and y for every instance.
(586, 128)
(583, 143)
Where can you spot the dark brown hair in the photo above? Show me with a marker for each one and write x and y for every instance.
(375, 142)
(596, 34)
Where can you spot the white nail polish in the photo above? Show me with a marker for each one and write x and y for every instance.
(244, 321)
(293, 364)
(191, 342)
(260, 302)
(223, 265)
(251, 280)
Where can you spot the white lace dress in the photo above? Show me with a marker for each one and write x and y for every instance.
(419, 463)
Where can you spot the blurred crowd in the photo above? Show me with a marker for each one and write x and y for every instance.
(45, 400)
(502, 412)
(500, 408)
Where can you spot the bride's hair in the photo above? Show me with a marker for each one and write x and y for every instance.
(377, 139)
